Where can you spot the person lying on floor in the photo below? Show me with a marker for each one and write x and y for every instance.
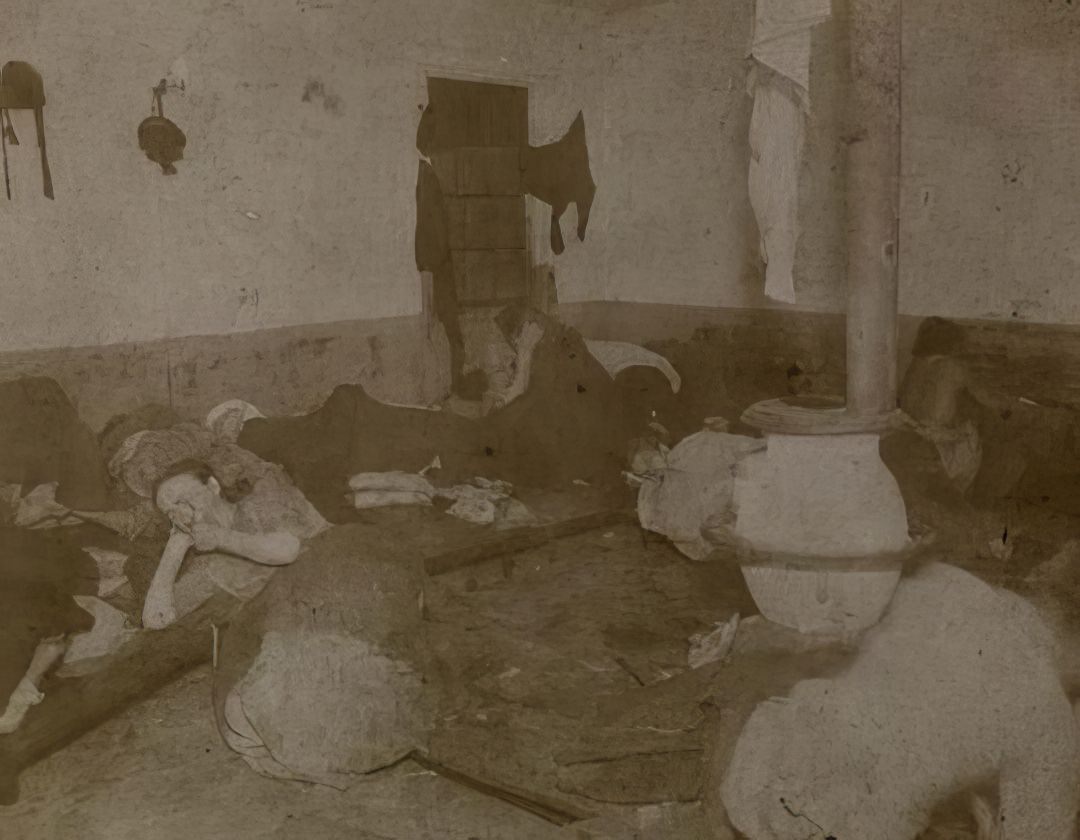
(554, 421)
(26, 693)
(136, 462)
(239, 533)
(40, 579)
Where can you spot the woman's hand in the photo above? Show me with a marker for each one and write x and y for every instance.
(158, 616)
(208, 537)
(180, 539)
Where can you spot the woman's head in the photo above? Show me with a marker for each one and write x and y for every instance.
(189, 493)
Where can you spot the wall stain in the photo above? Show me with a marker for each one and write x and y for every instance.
(189, 371)
(247, 305)
(315, 90)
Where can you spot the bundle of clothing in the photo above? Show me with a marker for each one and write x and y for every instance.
(993, 444)
(322, 674)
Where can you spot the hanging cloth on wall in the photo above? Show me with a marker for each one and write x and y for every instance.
(558, 174)
(780, 84)
(782, 36)
(776, 143)
(21, 87)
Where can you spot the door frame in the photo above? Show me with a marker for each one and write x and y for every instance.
(536, 212)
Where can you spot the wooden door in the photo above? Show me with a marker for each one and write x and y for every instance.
(478, 133)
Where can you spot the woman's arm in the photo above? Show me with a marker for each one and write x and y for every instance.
(158, 609)
(278, 548)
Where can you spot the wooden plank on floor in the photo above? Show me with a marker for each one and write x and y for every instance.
(521, 539)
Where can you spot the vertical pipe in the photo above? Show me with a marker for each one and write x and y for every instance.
(873, 195)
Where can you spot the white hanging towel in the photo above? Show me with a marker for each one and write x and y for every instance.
(777, 126)
(782, 35)
(776, 141)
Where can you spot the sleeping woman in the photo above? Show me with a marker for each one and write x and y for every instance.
(239, 530)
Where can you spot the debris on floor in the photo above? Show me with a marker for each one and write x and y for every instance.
(485, 502)
(648, 457)
(481, 501)
(478, 510)
(714, 646)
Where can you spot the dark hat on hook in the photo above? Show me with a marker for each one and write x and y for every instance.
(161, 139)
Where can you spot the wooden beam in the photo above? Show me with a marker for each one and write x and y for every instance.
(74, 706)
(522, 539)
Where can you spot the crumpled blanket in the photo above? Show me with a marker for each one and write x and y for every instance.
(957, 684)
(45, 441)
(321, 675)
(693, 489)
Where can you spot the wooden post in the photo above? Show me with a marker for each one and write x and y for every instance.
(872, 136)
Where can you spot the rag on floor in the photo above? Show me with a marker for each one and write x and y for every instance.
(693, 488)
(482, 501)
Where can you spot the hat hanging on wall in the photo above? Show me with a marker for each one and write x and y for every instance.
(161, 139)
(21, 88)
